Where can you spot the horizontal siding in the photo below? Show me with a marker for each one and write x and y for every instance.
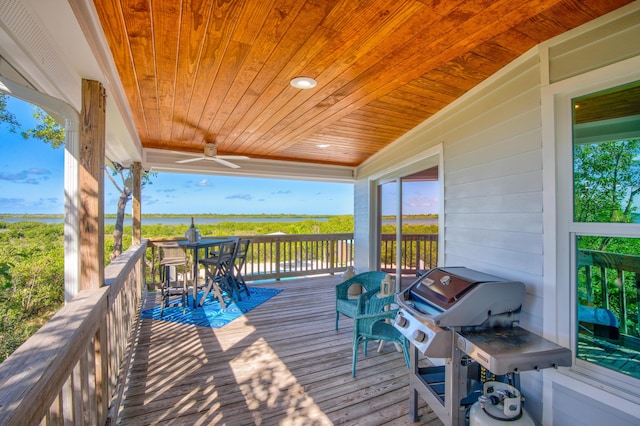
(513, 241)
(502, 145)
(520, 222)
(532, 320)
(530, 385)
(482, 255)
(524, 182)
(573, 408)
(501, 167)
(605, 45)
(527, 202)
(497, 114)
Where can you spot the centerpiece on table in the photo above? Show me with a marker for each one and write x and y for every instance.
(192, 234)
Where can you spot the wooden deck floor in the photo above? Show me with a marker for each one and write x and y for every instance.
(280, 364)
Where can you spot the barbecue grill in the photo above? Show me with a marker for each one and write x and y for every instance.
(469, 319)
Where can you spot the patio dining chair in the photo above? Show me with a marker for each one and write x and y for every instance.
(375, 324)
(217, 267)
(370, 282)
(174, 269)
(239, 259)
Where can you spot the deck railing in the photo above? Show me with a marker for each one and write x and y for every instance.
(291, 255)
(284, 256)
(419, 251)
(67, 372)
(617, 280)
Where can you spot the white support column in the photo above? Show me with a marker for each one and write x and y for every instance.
(71, 212)
(63, 113)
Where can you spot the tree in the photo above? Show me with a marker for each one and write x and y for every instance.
(7, 117)
(125, 190)
(47, 130)
(606, 182)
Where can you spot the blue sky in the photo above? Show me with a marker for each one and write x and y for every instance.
(32, 181)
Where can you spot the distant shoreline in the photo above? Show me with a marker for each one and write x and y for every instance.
(172, 216)
(208, 215)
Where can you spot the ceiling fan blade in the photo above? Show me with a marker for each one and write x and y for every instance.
(225, 162)
(190, 154)
(233, 157)
(190, 160)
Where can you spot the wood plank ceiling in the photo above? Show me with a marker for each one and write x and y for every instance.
(197, 71)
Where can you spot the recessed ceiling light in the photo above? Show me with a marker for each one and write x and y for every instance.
(303, 83)
(323, 145)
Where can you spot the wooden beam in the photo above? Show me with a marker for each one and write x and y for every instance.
(137, 197)
(91, 185)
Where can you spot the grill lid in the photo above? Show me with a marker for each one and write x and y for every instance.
(445, 286)
(462, 297)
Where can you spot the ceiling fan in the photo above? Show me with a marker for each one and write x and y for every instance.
(211, 153)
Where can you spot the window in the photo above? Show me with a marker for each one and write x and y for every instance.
(606, 195)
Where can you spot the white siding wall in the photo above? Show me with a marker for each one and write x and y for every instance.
(493, 175)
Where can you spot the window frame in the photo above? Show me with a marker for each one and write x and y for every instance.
(558, 98)
(431, 157)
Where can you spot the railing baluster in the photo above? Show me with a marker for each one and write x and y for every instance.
(623, 302)
(605, 287)
(277, 259)
(637, 281)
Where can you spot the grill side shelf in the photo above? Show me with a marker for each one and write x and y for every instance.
(512, 349)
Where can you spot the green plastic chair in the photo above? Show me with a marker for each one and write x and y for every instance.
(370, 282)
(372, 324)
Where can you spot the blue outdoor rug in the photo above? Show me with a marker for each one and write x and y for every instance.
(210, 315)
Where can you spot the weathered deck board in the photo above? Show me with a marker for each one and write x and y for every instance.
(282, 363)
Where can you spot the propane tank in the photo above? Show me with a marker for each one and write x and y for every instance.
(500, 404)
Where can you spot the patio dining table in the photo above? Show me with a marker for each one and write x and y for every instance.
(198, 248)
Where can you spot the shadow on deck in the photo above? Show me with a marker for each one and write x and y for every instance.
(281, 363)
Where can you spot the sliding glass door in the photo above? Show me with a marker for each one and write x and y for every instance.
(408, 208)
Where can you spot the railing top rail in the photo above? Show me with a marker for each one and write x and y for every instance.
(155, 241)
(408, 236)
(301, 237)
(622, 262)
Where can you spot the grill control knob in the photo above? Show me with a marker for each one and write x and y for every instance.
(419, 336)
(402, 322)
